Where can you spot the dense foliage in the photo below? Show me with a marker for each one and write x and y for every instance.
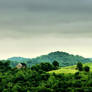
(28, 80)
(44, 67)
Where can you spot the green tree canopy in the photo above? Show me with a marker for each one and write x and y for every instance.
(79, 66)
(86, 68)
(55, 63)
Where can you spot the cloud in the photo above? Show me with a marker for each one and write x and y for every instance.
(35, 18)
(33, 27)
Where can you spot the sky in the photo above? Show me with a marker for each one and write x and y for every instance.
(30, 28)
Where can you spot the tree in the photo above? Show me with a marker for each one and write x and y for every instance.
(79, 66)
(86, 68)
(55, 63)
(43, 67)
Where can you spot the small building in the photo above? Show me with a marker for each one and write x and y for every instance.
(20, 65)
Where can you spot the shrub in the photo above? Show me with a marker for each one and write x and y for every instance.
(79, 66)
(86, 68)
(55, 63)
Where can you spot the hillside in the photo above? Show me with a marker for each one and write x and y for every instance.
(19, 59)
(90, 58)
(15, 60)
(64, 59)
(29, 80)
(70, 69)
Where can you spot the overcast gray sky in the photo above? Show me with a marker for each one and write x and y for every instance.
(30, 28)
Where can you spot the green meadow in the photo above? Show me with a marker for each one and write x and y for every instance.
(70, 69)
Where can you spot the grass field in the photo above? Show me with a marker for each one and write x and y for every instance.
(70, 69)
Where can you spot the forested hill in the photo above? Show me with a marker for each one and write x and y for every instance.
(64, 59)
(19, 59)
(90, 58)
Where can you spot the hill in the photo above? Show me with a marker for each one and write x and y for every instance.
(70, 69)
(15, 60)
(63, 58)
(28, 80)
(19, 59)
(90, 58)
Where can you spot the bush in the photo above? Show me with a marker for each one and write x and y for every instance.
(79, 66)
(77, 75)
(86, 68)
(56, 64)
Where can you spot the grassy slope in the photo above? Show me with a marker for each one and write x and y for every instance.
(70, 69)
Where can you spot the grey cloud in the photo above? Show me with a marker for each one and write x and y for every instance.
(52, 5)
(32, 18)
(40, 26)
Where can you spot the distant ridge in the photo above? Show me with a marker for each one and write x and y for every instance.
(90, 58)
(20, 59)
(64, 59)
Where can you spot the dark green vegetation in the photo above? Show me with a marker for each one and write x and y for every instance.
(45, 67)
(79, 66)
(64, 59)
(86, 68)
(37, 79)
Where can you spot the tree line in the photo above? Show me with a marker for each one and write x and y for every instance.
(37, 79)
